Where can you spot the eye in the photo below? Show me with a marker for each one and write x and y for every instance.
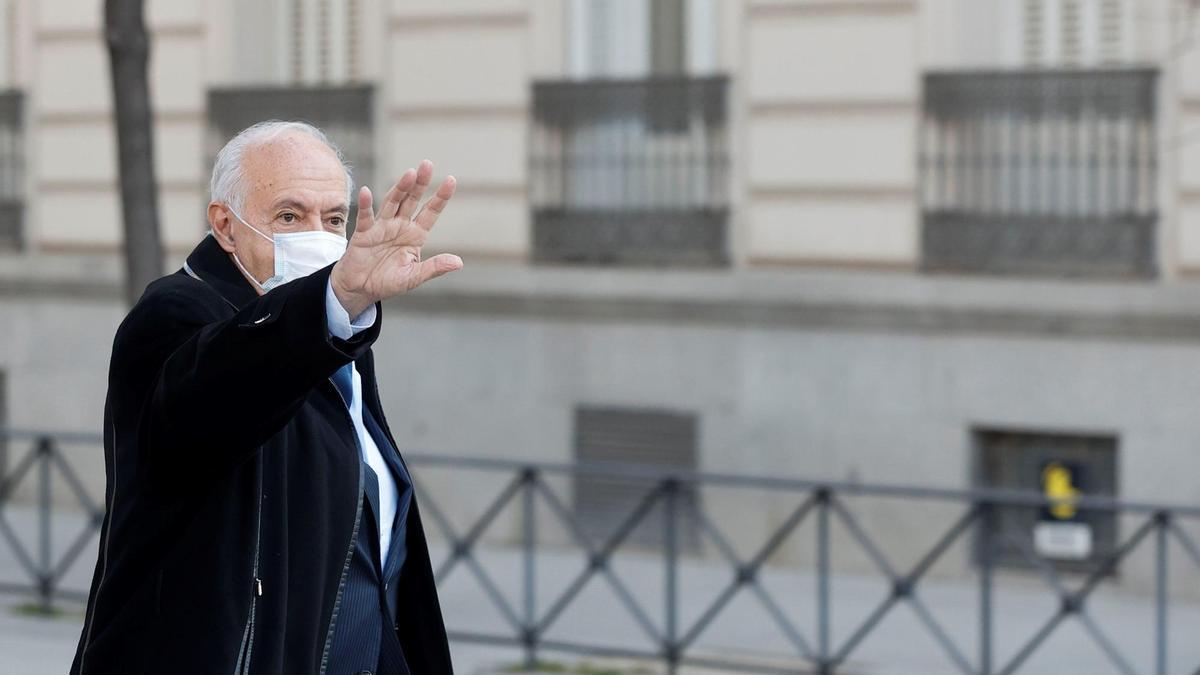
(288, 217)
(337, 221)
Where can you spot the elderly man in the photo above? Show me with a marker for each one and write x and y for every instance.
(260, 518)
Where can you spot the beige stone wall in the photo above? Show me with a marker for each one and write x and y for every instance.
(824, 107)
(73, 202)
(830, 93)
(465, 104)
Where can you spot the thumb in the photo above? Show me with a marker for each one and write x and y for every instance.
(366, 217)
(437, 266)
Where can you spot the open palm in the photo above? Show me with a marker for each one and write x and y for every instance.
(383, 258)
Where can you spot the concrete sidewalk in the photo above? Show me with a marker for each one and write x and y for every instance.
(900, 645)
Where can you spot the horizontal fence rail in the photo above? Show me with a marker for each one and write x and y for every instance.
(528, 485)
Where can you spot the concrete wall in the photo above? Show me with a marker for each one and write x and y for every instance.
(785, 380)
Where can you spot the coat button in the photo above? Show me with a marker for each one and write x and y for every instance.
(364, 672)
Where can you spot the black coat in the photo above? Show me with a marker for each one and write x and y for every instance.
(233, 485)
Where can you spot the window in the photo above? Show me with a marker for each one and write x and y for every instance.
(629, 157)
(641, 38)
(313, 41)
(12, 170)
(307, 69)
(1074, 32)
(343, 112)
(656, 440)
(1056, 465)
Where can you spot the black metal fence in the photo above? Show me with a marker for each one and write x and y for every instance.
(529, 484)
(12, 169)
(630, 171)
(1050, 172)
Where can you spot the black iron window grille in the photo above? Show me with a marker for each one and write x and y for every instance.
(630, 171)
(1045, 172)
(12, 170)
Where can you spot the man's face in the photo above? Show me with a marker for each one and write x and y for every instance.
(294, 184)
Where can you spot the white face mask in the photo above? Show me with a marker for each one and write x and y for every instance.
(297, 254)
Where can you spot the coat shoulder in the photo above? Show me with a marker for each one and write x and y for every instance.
(170, 305)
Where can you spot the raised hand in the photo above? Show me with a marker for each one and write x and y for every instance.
(383, 258)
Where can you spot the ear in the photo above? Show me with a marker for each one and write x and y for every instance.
(221, 222)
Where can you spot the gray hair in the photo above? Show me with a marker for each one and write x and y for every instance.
(228, 182)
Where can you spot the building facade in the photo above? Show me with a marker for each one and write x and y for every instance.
(917, 241)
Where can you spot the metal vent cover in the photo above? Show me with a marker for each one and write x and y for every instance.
(645, 438)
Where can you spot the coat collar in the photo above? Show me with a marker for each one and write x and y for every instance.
(209, 263)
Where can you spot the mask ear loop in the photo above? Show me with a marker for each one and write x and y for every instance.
(243, 221)
(235, 257)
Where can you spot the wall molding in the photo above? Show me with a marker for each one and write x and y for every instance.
(860, 301)
(459, 111)
(82, 34)
(411, 21)
(834, 107)
(810, 192)
(844, 264)
(796, 8)
(65, 118)
(104, 185)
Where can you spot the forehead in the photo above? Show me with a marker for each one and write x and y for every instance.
(296, 167)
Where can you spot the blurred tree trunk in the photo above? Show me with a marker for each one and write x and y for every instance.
(129, 52)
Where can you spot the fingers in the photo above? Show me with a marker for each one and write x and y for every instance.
(391, 201)
(429, 213)
(437, 266)
(365, 219)
(410, 201)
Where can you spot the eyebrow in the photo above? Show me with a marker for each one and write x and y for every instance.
(288, 203)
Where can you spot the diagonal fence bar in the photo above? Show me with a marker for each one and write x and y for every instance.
(747, 573)
(1073, 602)
(623, 593)
(903, 588)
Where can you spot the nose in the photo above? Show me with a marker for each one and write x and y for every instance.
(313, 223)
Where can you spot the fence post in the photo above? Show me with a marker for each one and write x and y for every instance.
(824, 667)
(45, 447)
(984, 523)
(529, 539)
(671, 559)
(1160, 592)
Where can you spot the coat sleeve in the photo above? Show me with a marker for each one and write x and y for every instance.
(224, 386)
